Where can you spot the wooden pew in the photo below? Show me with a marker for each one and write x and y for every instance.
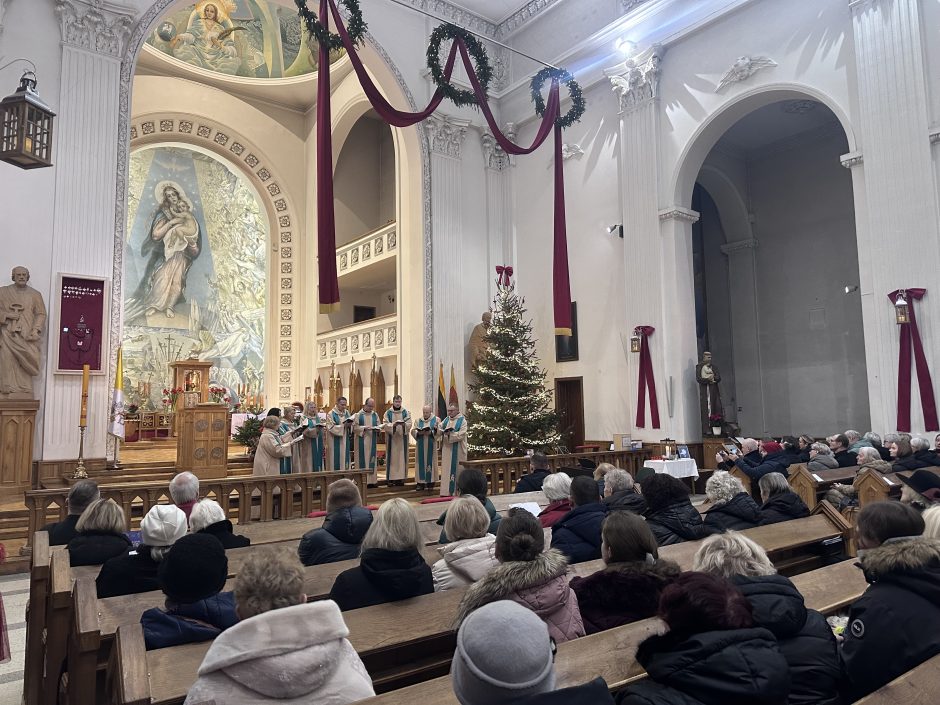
(36, 612)
(83, 644)
(612, 654)
(58, 619)
(810, 486)
(429, 620)
(918, 686)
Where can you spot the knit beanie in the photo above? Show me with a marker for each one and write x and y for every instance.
(503, 653)
(772, 447)
(164, 525)
(194, 569)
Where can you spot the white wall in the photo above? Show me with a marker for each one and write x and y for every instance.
(364, 181)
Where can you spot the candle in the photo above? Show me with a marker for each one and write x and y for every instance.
(83, 416)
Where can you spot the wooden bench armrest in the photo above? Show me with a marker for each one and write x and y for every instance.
(128, 679)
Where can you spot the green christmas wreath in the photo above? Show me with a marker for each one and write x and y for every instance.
(578, 104)
(356, 26)
(477, 51)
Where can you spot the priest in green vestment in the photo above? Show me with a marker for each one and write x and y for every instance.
(426, 431)
(366, 430)
(453, 448)
(339, 423)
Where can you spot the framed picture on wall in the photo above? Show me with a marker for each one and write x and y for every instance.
(81, 312)
(566, 346)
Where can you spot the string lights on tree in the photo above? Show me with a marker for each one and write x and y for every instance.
(512, 410)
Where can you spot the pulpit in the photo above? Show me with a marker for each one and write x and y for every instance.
(191, 376)
(202, 440)
(17, 422)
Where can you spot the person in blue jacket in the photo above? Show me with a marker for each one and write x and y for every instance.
(578, 533)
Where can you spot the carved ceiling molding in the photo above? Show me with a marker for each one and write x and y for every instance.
(852, 159)
(523, 16)
(154, 129)
(446, 134)
(470, 20)
(678, 213)
(743, 68)
(95, 25)
(571, 151)
(636, 80)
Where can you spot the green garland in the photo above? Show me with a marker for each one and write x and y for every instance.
(578, 104)
(482, 63)
(356, 26)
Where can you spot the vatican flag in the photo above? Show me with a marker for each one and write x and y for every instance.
(117, 403)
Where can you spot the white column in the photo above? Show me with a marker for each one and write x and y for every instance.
(446, 137)
(93, 40)
(500, 235)
(895, 192)
(745, 334)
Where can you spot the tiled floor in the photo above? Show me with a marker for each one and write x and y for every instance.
(15, 592)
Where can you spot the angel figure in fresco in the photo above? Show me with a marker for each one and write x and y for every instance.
(207, 41)
(173, 241)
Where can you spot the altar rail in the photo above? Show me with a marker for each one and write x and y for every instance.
(306, 493)
(503, 473)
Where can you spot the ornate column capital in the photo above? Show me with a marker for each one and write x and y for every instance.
(862, 5)
(493, 155)
(852, 159)
(446, 134)
(95, 25)
(678, 213)
(636, 80)
(739, 246)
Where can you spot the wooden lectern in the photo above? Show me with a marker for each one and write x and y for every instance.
(203, 428)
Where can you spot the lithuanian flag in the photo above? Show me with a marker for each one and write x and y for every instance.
(441, 394)
(452, 397)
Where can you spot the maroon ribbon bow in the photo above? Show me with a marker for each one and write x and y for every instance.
(646, 379)
(503, 274)
(910, 338)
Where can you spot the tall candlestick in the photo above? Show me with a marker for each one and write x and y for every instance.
(83, 417)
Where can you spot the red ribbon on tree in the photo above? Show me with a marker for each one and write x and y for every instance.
(326, 225)
(646, 379)
(503, 274)
(910, 338)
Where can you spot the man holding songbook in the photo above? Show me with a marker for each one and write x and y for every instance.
(366, 429)
(290, 435)
(313, 450)
(453, 448)
(426, 431)
(339, 426)
(397, 427)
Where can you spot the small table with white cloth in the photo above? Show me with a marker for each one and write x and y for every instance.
(680, 468)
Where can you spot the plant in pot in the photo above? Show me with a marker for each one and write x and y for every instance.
(248, 434)
(716, 420)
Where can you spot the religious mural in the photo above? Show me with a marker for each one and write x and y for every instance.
(251, 38)
(194, 272)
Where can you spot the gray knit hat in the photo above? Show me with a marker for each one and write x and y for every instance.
(503, 653)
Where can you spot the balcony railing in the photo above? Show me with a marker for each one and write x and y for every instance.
(377, 335)
(370, 248)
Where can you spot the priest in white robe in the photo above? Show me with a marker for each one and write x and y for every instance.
(367, 428)
(453, 448)
(339, 426)
(313, 447)
(397, 426)
(426, 431)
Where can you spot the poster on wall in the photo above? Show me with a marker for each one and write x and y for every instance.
(81, 319)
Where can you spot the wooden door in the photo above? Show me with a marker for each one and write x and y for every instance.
(569, 403)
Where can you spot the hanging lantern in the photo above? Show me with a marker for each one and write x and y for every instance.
(635, 343)
(902, 312)
(26, 127)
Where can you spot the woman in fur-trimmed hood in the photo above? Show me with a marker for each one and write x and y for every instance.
(527, 575)
(895, 625)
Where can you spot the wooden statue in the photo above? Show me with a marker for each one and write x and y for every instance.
(22, 320)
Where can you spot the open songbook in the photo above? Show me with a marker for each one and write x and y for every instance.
(292, 436)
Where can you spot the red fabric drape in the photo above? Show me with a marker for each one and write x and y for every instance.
(326, 220)
(646, 379)
(910, 339)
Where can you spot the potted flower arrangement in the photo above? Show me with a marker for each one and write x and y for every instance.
(219, 395)
(716, 421)
(169, 397)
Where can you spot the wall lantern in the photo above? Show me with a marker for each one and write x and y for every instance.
(902, 312)
(26, 126)
(635, 342)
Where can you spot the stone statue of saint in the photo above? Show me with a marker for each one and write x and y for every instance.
(477, 344)
(22, 319)
(708, 377)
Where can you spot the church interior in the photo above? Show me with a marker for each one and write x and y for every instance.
(282, 243)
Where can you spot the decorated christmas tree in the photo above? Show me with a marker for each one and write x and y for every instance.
(511, 410)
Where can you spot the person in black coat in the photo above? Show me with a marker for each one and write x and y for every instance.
(803, 635)
(628, 588)
(791, 447)
(780, 502)
(732, 508)
(895, 625)
(208, 517)
(82, 493)
(538, 471)
(749, 455)
(773, 459)
(343, 529)
(921, 489)
(134, 572)
(620, 493)
(921, 456)
(578, 533)
(670, 513)
(804, 442)
(100, 534)
(840, 451)
(391, 566)
(713, 653)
